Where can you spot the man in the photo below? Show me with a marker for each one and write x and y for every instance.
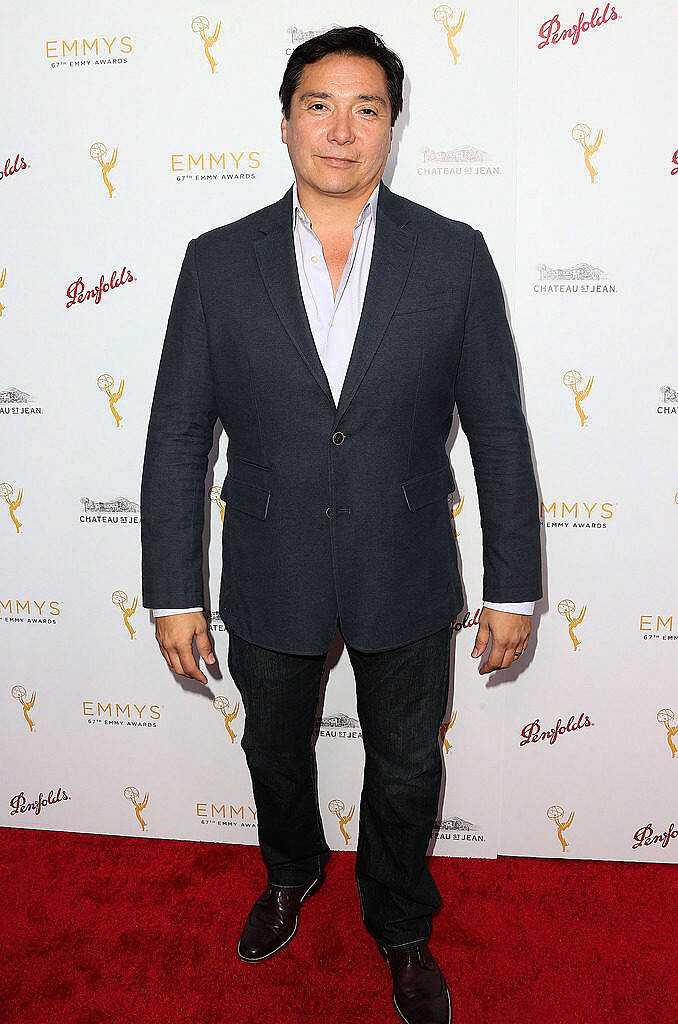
(332, 333)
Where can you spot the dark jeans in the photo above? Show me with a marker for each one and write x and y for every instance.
(401, 698)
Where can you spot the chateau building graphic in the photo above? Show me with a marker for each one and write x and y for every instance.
(580, 272)
(464, 154)
(455, 824)
(14, 396)
(118, 504)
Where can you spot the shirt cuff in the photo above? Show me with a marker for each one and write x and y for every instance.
(157, 612)
(518, 607)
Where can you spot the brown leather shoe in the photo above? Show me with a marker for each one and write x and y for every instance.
(420, 992)
(272, 921)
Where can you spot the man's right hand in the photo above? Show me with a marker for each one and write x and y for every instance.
(175, 633)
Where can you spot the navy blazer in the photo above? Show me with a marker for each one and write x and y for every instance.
(337, 513)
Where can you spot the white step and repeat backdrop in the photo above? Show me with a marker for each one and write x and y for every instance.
(129, 129)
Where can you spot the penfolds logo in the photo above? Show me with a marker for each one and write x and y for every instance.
(467, 622)
(11, 168)
(533, 732)
(646, 836)
(551, 31)
(19, 804)
(77, 292)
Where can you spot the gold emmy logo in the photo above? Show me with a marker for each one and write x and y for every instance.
(98, 151)
(444, 15)
(444, 729)
(454, 511)
(581, 133)
(6, 492)
(105, 383)
(666, 716)
(222, 704)
(3, 278)
(201, 24)
(566, 608)
(132, 794)
(338, 807)
(572, 379)
(19, 693)
(555, 813)
(215, 496)
(120, 598)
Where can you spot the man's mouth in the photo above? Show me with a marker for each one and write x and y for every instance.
(338, 160)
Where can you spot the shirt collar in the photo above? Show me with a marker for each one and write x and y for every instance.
(370, 207)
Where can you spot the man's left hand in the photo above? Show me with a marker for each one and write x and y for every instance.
(510, 633)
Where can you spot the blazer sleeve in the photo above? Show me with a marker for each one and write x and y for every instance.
(178, 441)
(487, 393)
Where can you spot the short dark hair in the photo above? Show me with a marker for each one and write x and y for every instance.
(356, 40)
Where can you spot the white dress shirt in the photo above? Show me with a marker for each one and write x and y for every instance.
(334, 320)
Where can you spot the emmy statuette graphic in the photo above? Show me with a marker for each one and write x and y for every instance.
(97, 151)
(215, 496)
(444, 15)
(338, 807)
(200, 24)
(120, 598)
(572, 379)
(566, 608)
(132, 794)
(667, 716)
(105, 383)
(581, 133)
(19, 693)
(222, 704)
(444, 729)
(6, 492)
(555, 813)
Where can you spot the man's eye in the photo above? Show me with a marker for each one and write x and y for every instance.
(316, 105)
(369, 110)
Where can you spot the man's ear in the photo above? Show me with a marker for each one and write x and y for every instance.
(283, 129)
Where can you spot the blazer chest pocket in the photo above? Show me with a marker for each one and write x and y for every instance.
(427, 487)
(246, 497)
(420, 303)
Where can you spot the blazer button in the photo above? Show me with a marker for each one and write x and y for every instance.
(338, 437)
(328, 513)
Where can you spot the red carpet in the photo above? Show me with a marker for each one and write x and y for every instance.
(110, 930)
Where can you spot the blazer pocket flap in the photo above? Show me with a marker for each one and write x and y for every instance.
(420, 303)
(427, 487)
(247, 497)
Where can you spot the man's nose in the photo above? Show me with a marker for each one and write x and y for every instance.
(341, 129)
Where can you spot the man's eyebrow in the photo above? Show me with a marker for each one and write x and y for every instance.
(372, 98)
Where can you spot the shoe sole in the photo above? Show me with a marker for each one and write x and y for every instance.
(313, 887)
(403, 1017)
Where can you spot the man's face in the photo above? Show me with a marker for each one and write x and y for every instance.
(339, 131)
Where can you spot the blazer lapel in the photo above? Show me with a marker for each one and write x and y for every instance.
(278, 265)
(394, 243)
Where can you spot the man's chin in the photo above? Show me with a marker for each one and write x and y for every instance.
(334, 184)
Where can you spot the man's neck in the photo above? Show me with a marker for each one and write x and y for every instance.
(332, 212)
